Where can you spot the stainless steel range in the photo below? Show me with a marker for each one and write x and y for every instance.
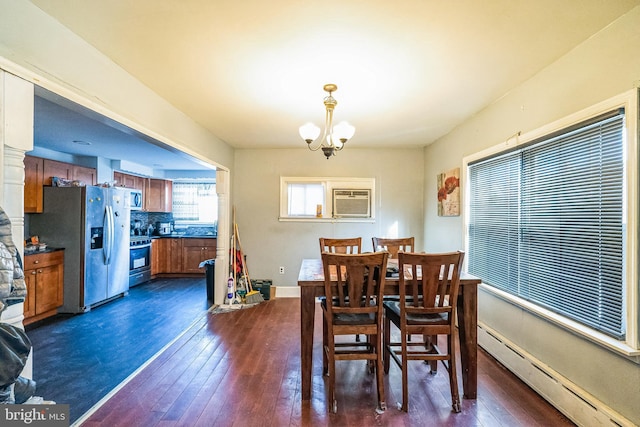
(139, 260)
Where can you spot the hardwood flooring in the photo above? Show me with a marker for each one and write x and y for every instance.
(79, 359)
(242, 368)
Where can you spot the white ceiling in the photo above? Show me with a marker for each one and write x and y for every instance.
(408, 71)
(63, 126)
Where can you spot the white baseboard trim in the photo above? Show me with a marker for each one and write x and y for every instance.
(574, 402)
(287, 292)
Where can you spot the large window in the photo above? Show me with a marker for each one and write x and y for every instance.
(546, 223)
(195, 203)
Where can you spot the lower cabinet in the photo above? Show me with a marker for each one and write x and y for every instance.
(174, 256)
(155, 256)
(44, 276)
(181, 255)
(194, 251)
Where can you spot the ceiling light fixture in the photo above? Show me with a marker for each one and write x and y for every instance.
(334, 138)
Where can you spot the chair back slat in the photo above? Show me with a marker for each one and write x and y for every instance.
(352, 245)
(354, 283)
(393, 246)
(433, 283)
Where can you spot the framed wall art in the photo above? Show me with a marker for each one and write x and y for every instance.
(449, 193)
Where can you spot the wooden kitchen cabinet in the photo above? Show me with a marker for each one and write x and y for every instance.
(84, 174)
(180, 256)
(158, 195)
(33, 182)
(194, 251)
(38, 173)
(52, 168)
(58, 169)
(130, 181)
(160, 256)
(172, 262)
(44, 276)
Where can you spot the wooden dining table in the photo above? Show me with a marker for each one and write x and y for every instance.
(311, 283)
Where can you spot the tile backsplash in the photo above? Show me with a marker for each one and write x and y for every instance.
(147, 219)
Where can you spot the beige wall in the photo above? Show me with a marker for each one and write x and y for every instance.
(606, 65)
(269, 243)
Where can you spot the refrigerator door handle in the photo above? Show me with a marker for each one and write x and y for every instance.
(108, 223)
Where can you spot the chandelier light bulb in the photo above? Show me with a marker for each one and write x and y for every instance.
(343, 131)
(309, 132)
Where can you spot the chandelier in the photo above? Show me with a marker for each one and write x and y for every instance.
(334, 137)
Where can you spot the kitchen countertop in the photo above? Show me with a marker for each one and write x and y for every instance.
(186, 236)
(48, 250)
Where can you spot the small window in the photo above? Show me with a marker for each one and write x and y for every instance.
(304, 198)
(314, 198)
(195, 203)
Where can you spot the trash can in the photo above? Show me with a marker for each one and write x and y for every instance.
(209, 270)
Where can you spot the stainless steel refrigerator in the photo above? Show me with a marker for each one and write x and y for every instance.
(93, 225)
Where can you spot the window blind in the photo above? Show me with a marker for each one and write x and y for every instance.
(194, 202)
(546, 223)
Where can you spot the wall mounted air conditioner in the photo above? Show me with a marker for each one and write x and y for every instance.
(352, 203)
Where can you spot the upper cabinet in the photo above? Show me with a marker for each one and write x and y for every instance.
(59, 169)
(130, 181)
(38, 173)
(84, 174)
(159, 195)
(156, 193)
(33, 182)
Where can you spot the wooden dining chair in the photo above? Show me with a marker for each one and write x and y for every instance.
(393, 246)
(429, 286)
(351, 245)
(354, 285)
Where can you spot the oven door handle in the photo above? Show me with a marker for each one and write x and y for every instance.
(146, 245)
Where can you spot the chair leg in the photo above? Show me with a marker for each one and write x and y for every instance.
(385, 347)
(325, 341)
(405, 375)
(430, 341)
(453, 376)
(382, 404)
(372, 340)
(331, 401)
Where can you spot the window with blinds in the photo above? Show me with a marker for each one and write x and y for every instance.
(194, 203)
(304, 198)
(546, 223)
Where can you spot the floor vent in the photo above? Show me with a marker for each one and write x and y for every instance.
(578, 405)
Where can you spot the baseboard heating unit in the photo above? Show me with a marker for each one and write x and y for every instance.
(575, 403)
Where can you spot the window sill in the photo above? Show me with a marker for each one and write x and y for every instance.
(326, 219)
(596, 337)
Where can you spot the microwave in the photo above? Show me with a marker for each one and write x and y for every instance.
(135, 200)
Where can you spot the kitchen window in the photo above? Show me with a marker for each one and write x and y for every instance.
(547, 223)
(195, 203)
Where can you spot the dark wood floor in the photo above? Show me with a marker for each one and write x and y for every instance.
(243, 369)
(79, 359)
